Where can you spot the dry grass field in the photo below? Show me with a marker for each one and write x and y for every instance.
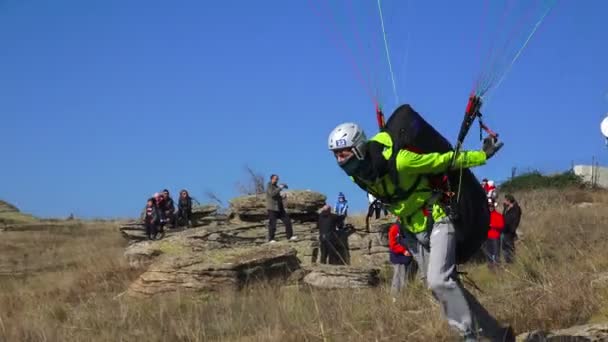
(66, 284)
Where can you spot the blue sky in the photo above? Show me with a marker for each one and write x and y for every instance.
(105, 102)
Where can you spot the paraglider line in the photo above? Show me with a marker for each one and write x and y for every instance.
(349, 54)
(491, 53)
(388, 56)
(496, 65)
(524, 46)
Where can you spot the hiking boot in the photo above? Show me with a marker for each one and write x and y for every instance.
(293, 238)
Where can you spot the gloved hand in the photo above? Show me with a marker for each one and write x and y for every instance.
(491, 145)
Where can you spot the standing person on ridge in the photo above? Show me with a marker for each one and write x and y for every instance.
(512, 216)
(276, 209)
(497, 224)
(341, 209)
(420, 213)
(326, 225)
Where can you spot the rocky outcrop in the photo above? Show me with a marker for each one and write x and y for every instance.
(224, 249)
(586, 333)
(206, 214)
(341, 277)
(302, 206)
(10, 215)
(6, 207)
(214, 270)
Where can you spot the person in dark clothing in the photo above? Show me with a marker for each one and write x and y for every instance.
(184, 209)
(512, 217)
(276, 209)
(151, 218)
(168, 208)
(342, 255)
(160, 203)
(327, 225)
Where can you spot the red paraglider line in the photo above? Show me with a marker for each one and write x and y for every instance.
(349, 54)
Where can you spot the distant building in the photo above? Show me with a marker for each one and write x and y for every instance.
(595, 175)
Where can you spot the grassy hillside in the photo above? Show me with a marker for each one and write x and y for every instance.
(9, 214)
(536, 180)
(66, 286)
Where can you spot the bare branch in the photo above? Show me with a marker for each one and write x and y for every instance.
(254, 184)
(214, 197)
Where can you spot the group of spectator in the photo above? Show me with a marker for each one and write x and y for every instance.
(503, 226)
(160, 212)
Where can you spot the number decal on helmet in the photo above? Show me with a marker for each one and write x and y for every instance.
(341, 142)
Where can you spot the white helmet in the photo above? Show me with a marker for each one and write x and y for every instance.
(347, 135)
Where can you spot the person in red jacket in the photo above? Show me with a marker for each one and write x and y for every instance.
(400, 257)
(497, 224)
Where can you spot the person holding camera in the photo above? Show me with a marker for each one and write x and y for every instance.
(276, 209)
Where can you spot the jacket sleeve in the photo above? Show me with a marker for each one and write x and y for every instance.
(412, 162)
(393, 244)
(516, 218)
(273, 191)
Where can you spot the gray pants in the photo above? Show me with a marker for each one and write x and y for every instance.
(399, 278)
(435, 253)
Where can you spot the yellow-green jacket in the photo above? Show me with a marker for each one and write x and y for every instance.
(409, 166)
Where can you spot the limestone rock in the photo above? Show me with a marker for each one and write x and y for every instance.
(301, 205)
(587, 333)
(215, 270)
(381, 225)
(142, 254)
(232, 235)
(204, 213)
(340, 277)
(356, 242)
